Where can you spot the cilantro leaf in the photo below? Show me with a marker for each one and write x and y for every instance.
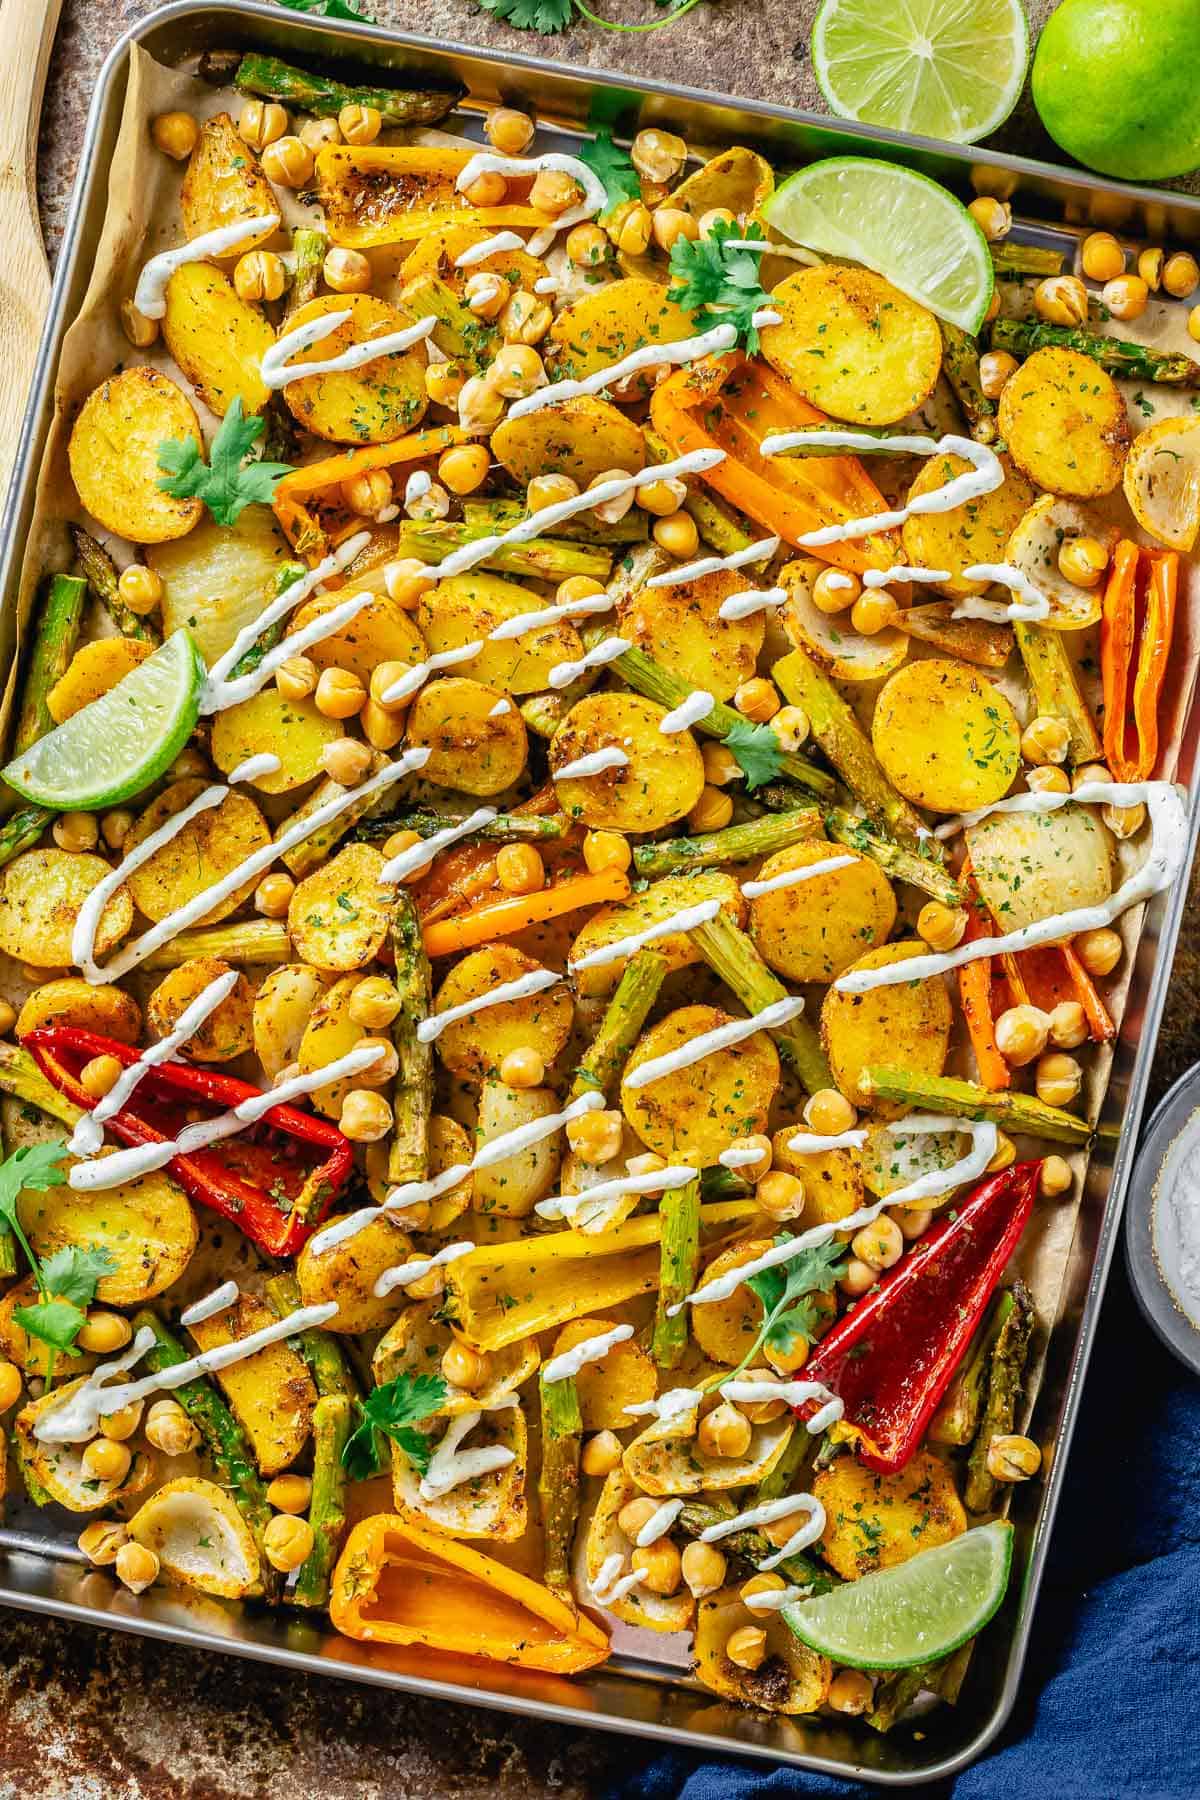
(613, 166)
(55, 1322)
(544, 16)
(757, 751)
(36, 1167)
(392, 1409)
(74, 1274)
(332, 9)
(720, 283)
(785, 1291)
(226, 483)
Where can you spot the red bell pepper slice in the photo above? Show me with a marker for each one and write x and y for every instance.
(891, 1358)
(275, 1180)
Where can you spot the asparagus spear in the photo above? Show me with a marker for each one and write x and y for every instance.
(101, 573)
(459, 333)
(320, 94)
(957, 1418)
(967, 1100)
(327, 1507)
(904, 865)
(558, 1481)
(1131, 362)
(8, 1245)
(1056, 690)
(735, 844)
(317, 848)
(250, 659)
(754, 1547)
(1010, 258)
(502, 515)
(308, 255)
(545, 559)
(505, 828)
(679, 1211)
(792, 1470)
(1005, 1374)
(544, 713)
(897, 1691)
(255, 941)
(21, 831)
(412, 1096)
(721, 528)
(627, 1011)
(54, 642)
(960, 362)
(321, 1350)
(227, 1442)
(733, 956)
(846, 745)
(21, 1077)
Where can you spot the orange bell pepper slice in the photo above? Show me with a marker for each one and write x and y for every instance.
(397, 1584)
(394, 194)
(1053, 973)
(730, 403)
(1137, 624)
(501, 918)
(975, 991)
(298, 496)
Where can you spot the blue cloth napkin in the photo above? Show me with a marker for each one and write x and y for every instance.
(1110, 1704)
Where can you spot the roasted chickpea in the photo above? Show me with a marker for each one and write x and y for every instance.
(480, 406)
(1126, 296)
(124, 1422)
(912, 1221)
(486, 190)
(104, 1332)
(1058, 1079)
(659, 1566)
(780, 1196)
(1045, 740)
(658, 155)
(881, 1243)
(829, 1113)
(290, 1493)
(554, 192)
(464, 468)
(1021, 1034)
(523, 1068)
(993, 217)
(517, 370)
(1083, 560)
(99, 1076)
(259, 275)
(595, 1137)
(464, 1367)
(141, 589)
(346, 271)
(1061, 300)
(550, 490)
(169, 1429)
(835, 590)
(1005, 1155)
(288, 162)
(712, 811)
(486, 293)
(721, 766)
(10, 1386)
(1068, 1025)
(366, 1116)
(1101, 256)
(339, 693)
(995, 369)
(606, 850)
(346, 761)
(101, 1540)
(601, 1454)
(141, 330)
(874, 611)
(8, 1018)
(724, 1432)
(670, 223)
(406, 580)
(746, 1648)
(297, 677)
(1098, 951)
(636, 1513)
(1055, 1176)
(76, 831)
(176, 134)
(273, 895)
(1048, 780)
(262, 122)
(318, 134)
(850, 1692)
(520, 870)
(1149, 267)
(662, 497)
(288, 1541)
(1181, 275)
(942, 927)
(630, 228)
(360, 124)
(716, 215)
(106, 1459)
(1013, 1458)
(508, 131)
(587, 245)
(615, 508)
(525, 319)
(757, 699)
(703, 1568)
(677, 535)
(444, 382)
(137, 1568)
(857, 1278)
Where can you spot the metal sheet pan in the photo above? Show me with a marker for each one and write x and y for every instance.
(40, 1568)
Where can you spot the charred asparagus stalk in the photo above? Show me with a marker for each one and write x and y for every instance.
(320, 1349)
(545, 559)
(722, 529)
(847, 828)
(505, 828)
(502, 515)
(734, 844)
(21, 1078)
(101, 573)
(308, 254)
(558, 1480)
(1012, 259)
(679, 1211)
(1130, 362)
(733, 956)
(56, 633)
(412, 1095)
(253, 941)
(1006, 1372)
(960, 363)
(754, 1547)
(459, 333)
(967, 1100)
(897, 1691)
(312, 851)
(1056, 689)
(635, 994)
(544, 713)
(957, 1418)
(327, 1507)
(21, 831)
(275, 80)
(250, 659)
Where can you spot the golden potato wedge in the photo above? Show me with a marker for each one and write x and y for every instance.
(709, 652)
(641, 1606)
(611, 322)
(815, 930)
(946, 736)
(113, 455)
(833, 1179)
(282, 1009)
(726, 1329)
(94, 669)
(467, 608)
(660, 782)
(338, 918)
(975, 533)
(271, 1393)
(223, 184)
(691, 1116)
(40, 900)
(625, 1377)
(217, 338)
(1162, 481)
(513, 1186)
(830, 639)
(791, 1679)
(347, 1272)
(59, 1468)
(374, 404)
(891, 1157)
(448, 1147)
(415, 1344)
(1065, 423)
(146, 1225)
(225, 1033)
(625, 918)
(329, 1035)
(494, 1504)
(471, 750)
(476, 1046)
(108, 1011)
(666, 1458)
(17, 1345)
(380, 632)
(1036, 540)
(292, 730)
(581, 438)
(1064, 859)
(853, 344)
(912, 1020)
(877, 1521)
(213, 845)
(219, 578)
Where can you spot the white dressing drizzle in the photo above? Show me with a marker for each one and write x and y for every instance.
(491, 246)
(567, 1365)
(501, 707)
(751, 600)
(1030, 602)
(150, 294)
(657, 1181)
(416, 487)
(793, 877)
(219, 1301)
(265, 763)
(813, 1143)
(609, 1585)
(549, 615)
(765, 1515)
(712, 565)
(739, 1156)
(774, 1599)
(659, 1523)
(564, 673)
(877, 578)
(449, 1467)
(650, 356)
(689, 712)
(983, 477)
(277, 372)
(404, 1274)
(595, 194)
(522, 988)
(405, 862)
(754, 1391)
(420, 672)
(671, 1405)
(546, 285)
(708, 1042)
(256, 1106)
(594, 763)
(686, 919)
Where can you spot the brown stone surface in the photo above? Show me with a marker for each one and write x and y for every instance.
(92, 1716)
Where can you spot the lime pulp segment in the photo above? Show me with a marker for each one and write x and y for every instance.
(914, 1613)
(941, 68)
(113, 747)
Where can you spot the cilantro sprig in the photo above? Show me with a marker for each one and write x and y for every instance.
(393, 1410)
(332, 9)
(67, 1280)
(551, 16)
(787, 1294)
(227, 484)
(613, 166)
(757, 751)
(718, 283)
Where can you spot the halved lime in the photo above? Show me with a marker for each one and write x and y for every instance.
(920, 1610)
(115, 746)
(898, 223)
(943, 68)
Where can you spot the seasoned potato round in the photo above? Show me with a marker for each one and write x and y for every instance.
(223, 184)
(114, 449)
(947, 738)
(907, 1024)
(660, 782)
(217, 338)
(833, 1182)
(145, 1224)
(473, 751)
(211, 847)
(582, 438)
(347, 1272)
(338, 917)
(626, 918)
(329, 1035)
(449, 1147)
(466, 609)
(626, 1377)
(94, 669)
(292, 730)
(876, 1521)
(1065, 423)
(707, 651)
(977, 532)
(691, 1116)
(226, 1032)
(437, 253)
(373, 404)
(1034, 548)
(1064, 860)
(612, 321)
(476, 1046)
(108, 1011)
(40, 901)
(381, 632)
(726, 1329)
(814, 930)
(283, 1007)
(880, 353)
(220, 577)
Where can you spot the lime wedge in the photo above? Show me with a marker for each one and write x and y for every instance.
(914, 1613)
(898, 223)
(942, 68)
(115, 746)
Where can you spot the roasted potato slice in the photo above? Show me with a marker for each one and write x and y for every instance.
(146, 1225)
(1065, 423)
(329, 1035)
(641, 1606)
(977, 532)
(737, 179)
(93, 671)
(612, 321)
(225, 1033)
(666, 1457)
(199, 1537)
(113, 455)
(108, 1011)
(625, 918)
(475, 1047)
(474, 749)
(59, 1468)
(1162, 482)
(492, 1505)
(830, 639)
(292, 730)
(879, 353)
(416, 1343)
(437, 253)
(581, 438)
(1064, 860)
(338, 918)
(467, 608)
(347, 1272)
(514, 1186)
(626, 1376)
(374, 404)
(815, 930)
(726, 1329)
(217, 338)
(877, 1521)
(213, 845)
(692, 1115)
(1036, 540)
(380, 632)
(833, 1179)
(283, 1007)
(791, 1679)
(911, 1020)
(660, 781)
(31, 1355)
(707, 651)
(40, 900)
(946, 736)
(223, 184)
(271, 1393)
(220, 577)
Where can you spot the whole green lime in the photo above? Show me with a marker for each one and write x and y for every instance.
(1115, 84)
